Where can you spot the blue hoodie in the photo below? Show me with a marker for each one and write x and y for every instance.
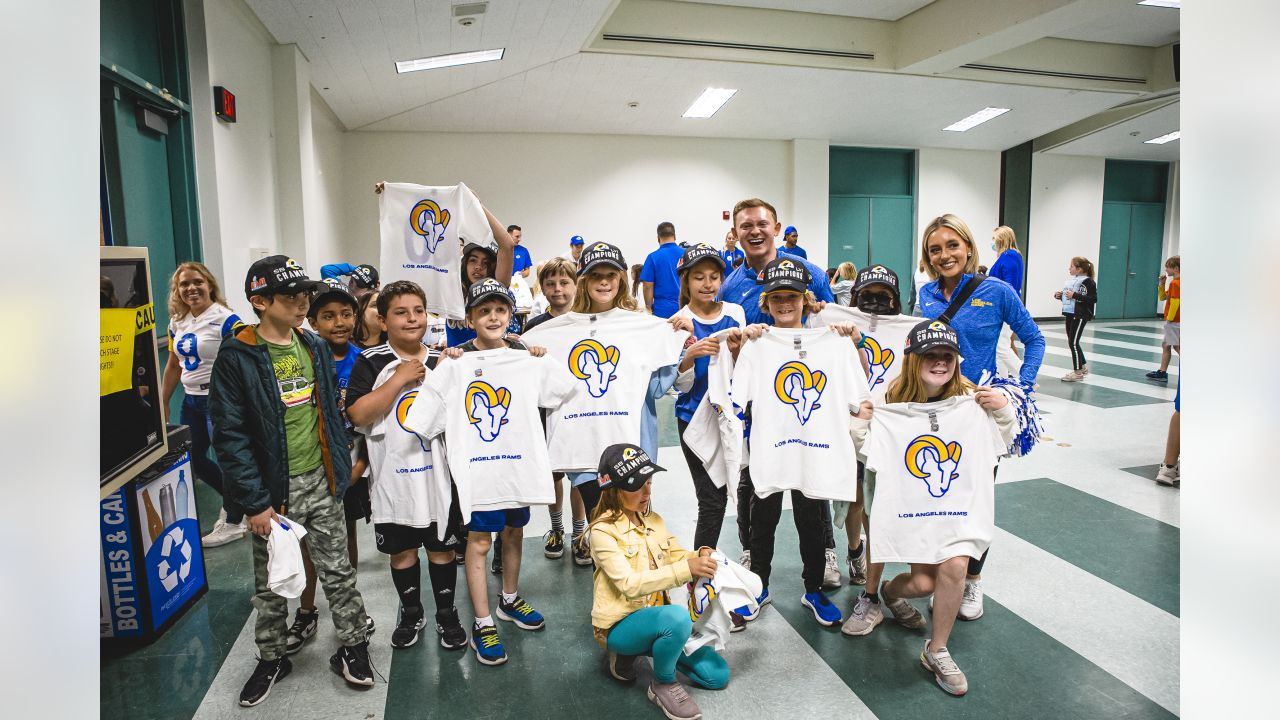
(992, 305)
(1008, 267)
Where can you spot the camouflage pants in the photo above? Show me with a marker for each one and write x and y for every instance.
(311, 505)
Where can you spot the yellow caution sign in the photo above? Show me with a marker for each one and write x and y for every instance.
(117, 328)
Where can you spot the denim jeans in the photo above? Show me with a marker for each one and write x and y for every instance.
(195, 415)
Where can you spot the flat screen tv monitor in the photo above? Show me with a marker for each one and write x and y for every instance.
(132, 422)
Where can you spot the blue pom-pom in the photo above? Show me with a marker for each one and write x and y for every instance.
(1030, 425)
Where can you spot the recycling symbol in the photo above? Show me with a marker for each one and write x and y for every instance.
(175, 559)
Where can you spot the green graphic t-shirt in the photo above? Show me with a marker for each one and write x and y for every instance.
(296, 379)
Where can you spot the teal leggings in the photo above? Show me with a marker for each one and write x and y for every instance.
(660, 632)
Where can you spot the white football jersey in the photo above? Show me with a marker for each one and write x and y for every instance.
(407, 486)
(802, 386)
(486, 404)
(886, 339)
(422, 230)
(610, 357)
(934, 466)
(195, 341)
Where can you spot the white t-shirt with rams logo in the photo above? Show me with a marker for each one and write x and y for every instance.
(486, 405)
(934, 466)
(195, 341)
(886, 339)
(802, 386)
(610, 357)
(407, 484)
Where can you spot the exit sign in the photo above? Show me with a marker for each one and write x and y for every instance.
(224, 104)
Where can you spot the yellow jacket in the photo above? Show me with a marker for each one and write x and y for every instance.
(624, 580)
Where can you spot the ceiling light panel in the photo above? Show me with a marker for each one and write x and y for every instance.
(976, 119)
(711, 100)
(1170, 137)
(444, 61)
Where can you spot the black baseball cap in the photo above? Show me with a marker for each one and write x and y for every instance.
(932, 334)
(626, 467)
(601, 253)
(876, 274)
(331, 290)
(366, 276)
(485, 289)
(786, 272)
(277, 274)
(472, 246)
(696, 254)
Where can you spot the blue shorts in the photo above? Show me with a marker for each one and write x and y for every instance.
(492, 521)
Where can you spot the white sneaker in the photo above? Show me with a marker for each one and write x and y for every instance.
(1168, 475)
(1073, 376)
(831, 575)
(223, 532)
(971, 603)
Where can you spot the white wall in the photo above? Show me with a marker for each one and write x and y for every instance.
(1066, 220)
(239, 58)
(965, 183)
(613, 188)
(810, 194)
(325, 227)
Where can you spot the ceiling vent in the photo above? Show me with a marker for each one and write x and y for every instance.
(470, 9)
(1055, 74)
(738, 46)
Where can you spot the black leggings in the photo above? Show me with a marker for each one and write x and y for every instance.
(712, 500)
(1075, 330)
(807, 514)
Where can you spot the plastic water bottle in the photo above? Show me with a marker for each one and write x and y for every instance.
(182, 495)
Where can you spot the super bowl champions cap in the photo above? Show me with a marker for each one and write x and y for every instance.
(932, 334)
(785, 273)
(331, 290)
(874, 274)
(491, 249)
(626, 467)
(277, 274)
(485, 289)
(366, 276)
(601, 253)
(696, 254)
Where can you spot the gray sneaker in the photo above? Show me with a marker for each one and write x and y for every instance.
(864, 617)
(902, 611)
(858, 567)
(674, 701)
(831, 573)
(944, 670)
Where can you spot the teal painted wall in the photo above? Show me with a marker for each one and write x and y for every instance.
(1015, 199)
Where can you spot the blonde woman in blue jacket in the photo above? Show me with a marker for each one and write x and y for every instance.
(637, 561)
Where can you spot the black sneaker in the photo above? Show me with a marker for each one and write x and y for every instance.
(553, 546)
(303, 628)
(406, 633)
(495, 566)
(460, 552)
(622, 667)
(738, 622)
(352, 663)
(581, 551)
(369, 627)
(452, 635)
(264, 677)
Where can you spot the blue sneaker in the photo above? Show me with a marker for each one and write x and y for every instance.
(824, 611)
(488, 647)
(521, 613)
(760, 602)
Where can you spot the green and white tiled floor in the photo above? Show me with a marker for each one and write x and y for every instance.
(1082, 610)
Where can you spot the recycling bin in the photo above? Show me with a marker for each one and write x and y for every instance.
(152, 564)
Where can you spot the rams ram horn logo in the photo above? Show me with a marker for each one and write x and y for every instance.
(594, 364)
(800, 388)
(935, 462)
(487, 408)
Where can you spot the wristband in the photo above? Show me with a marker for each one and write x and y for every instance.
(862, 341)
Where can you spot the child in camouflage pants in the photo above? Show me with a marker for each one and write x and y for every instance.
(280, 440)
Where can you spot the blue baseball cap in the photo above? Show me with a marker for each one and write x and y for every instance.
(790, 229)
(576, 240)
